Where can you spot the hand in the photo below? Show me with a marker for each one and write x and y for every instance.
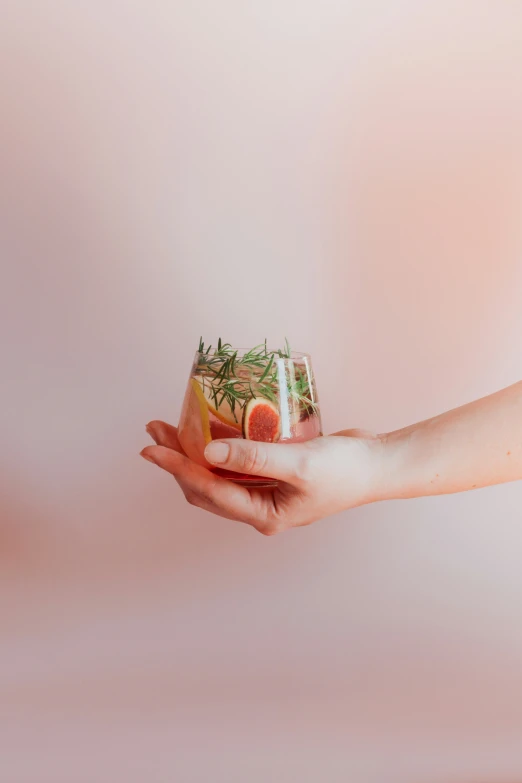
(317, 478)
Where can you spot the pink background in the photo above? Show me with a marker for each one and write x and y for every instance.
(346, 174)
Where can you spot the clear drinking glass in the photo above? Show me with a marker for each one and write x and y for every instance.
(260, 394)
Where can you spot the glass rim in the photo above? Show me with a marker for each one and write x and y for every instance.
(270, 351)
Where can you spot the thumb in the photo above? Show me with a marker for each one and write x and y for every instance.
(271, 460)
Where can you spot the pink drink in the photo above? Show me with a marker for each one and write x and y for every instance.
(302, 431)
(260, 394)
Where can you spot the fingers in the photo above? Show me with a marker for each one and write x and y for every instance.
(203, 488)
(164, 434)
(196, 499)
(287, 462)
(270, 460)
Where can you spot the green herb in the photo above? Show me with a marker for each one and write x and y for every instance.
(238, 378)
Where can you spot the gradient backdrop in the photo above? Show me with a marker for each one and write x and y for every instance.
(348, 174)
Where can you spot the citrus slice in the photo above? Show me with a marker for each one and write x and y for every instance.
(224, 412)
(194, 426)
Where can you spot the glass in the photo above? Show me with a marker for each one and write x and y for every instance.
(261, 394)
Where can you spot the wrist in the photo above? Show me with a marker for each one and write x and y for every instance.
(386, 467)
(395, 477)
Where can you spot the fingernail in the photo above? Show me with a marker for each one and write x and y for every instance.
(217, 452)
(148, 457)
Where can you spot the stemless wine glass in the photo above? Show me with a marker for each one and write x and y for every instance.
(259, 394)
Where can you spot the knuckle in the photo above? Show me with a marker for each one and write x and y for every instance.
(253, 459)
(270, 529)
(208, 494)
(191, 498)
(304, 469)
(201, 497)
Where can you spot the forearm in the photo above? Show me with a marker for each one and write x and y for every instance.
(474, 446)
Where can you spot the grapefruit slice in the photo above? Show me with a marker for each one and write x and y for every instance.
(194, 426)
(224, 412)
(261, 420)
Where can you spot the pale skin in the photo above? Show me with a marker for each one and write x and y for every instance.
(476, 445)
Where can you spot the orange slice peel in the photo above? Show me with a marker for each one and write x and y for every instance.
(194, 428)
(223, 413)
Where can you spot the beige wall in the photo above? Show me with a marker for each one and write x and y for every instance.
(346, 174)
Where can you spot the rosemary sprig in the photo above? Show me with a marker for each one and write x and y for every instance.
(233, 378)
